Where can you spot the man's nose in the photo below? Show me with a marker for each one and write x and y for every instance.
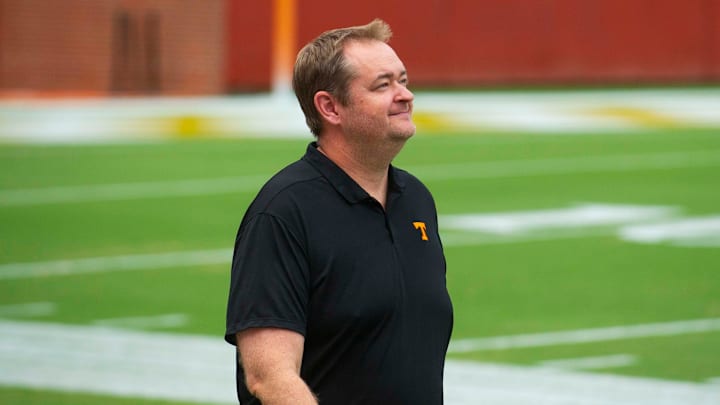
(404, 94)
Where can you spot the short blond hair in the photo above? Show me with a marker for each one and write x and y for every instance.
(321, 66)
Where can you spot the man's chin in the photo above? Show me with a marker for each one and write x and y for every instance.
(406, 132)
(405, 129)
(402, 137)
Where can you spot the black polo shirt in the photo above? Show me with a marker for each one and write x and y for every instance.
(318, 255)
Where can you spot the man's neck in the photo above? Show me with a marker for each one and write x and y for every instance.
(367, 166)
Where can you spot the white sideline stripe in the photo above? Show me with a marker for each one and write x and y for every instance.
(28, 309)
(201, 369)
(165, 321)
(585, 335)
(592, 363)
(115, 263)
(452, 171)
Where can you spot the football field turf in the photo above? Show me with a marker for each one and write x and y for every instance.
(612, 238)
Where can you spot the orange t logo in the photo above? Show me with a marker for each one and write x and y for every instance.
(421, 227)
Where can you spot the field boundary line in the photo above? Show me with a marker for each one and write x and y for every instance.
(591, 363)
(439, 172)
(580, 336)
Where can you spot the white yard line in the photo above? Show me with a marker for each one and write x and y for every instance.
(585, 335)
(201, 369)
(441, 172)
(115, 263)
(631, 223)
(591, 363)
(164, 321)
(130, 191)
(468, 383)
(584, 216)
(115, 361)
(698, 231)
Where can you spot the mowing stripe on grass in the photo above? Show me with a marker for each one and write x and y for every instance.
(510, 227)
(568, 165)
(157, 261)
(440, 172)
(28, 309)
(201, 369)
(585, 335)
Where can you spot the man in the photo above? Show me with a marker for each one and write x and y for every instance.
(338, 291)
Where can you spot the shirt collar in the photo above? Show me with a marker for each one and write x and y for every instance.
(342, 182)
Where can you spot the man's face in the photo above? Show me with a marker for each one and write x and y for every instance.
(379, 103)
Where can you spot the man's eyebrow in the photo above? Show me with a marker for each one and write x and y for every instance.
(390, 75)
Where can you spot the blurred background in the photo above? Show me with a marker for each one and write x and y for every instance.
(572, 148)
(176, 47)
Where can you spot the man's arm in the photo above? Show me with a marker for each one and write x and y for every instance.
(271, 359)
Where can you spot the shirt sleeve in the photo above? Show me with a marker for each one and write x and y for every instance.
(269, 284)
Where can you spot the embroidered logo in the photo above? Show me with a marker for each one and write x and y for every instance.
(421, 226)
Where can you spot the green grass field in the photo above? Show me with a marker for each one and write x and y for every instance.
(58, 203)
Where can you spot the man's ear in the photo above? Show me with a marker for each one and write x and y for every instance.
(327, 107)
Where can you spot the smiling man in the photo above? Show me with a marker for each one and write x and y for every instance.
(338, 291)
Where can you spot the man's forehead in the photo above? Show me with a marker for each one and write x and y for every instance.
(375, 56)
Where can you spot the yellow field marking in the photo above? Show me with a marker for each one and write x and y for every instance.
(433, 122)
(637, 116)
(190, 126)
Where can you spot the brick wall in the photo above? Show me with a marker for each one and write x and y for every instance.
(116, 46)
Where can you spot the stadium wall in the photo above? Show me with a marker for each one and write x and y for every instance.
(221, 46)
(112, 46)
(512, 42)
(248, 45)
